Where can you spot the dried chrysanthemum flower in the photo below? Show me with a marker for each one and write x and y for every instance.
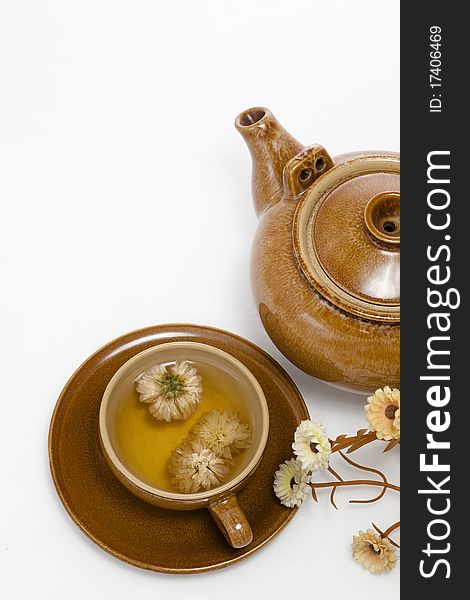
(193, 466)
(291, 483)
(173, 391)
(222, 432)
(374, 553)
(312, 446)
(383, 413)
(396, 421)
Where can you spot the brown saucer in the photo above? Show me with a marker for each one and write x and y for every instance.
(129, 528)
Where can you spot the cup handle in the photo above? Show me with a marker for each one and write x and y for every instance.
(232, 522)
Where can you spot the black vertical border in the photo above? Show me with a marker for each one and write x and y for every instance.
(423, 132)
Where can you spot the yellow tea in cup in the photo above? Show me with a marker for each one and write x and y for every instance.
(145, 444)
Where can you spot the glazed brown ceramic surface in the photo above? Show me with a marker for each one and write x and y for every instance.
(326, 257)
(343, 256)
(123, 524)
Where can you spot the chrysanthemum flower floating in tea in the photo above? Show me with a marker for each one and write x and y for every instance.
(223, 432)
(383, 413)
(194, 466)
(291, 483)
(204, 458)
(312, 446)
(374, 552)
(173, 391)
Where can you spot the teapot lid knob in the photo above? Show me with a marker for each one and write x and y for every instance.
(382, 218)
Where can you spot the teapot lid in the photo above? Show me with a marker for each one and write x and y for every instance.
(346, 235)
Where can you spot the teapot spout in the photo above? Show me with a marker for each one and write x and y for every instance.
(271, 147)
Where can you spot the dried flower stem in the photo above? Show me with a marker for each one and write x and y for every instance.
(333, 491)
(387, 532)
(384, 484)
(351, 462)
(326, 484)
(354, 442)
(374, 550)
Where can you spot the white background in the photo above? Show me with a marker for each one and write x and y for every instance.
(125, 202)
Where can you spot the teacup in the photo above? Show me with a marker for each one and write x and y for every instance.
(221, 501)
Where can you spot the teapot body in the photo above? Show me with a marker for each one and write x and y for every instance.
(325, 261)
(347, 351)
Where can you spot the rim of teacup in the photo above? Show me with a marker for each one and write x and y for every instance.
(218, 491)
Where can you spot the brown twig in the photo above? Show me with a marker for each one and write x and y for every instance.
(379, 496)
(356, 465)
(326, 484)
(314, 494)
(354, 442)
(350, 444)
(387, 532)
(391, 444)
(384, 484)
(332, 495)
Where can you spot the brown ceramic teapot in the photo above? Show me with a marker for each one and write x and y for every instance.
(326, 258)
